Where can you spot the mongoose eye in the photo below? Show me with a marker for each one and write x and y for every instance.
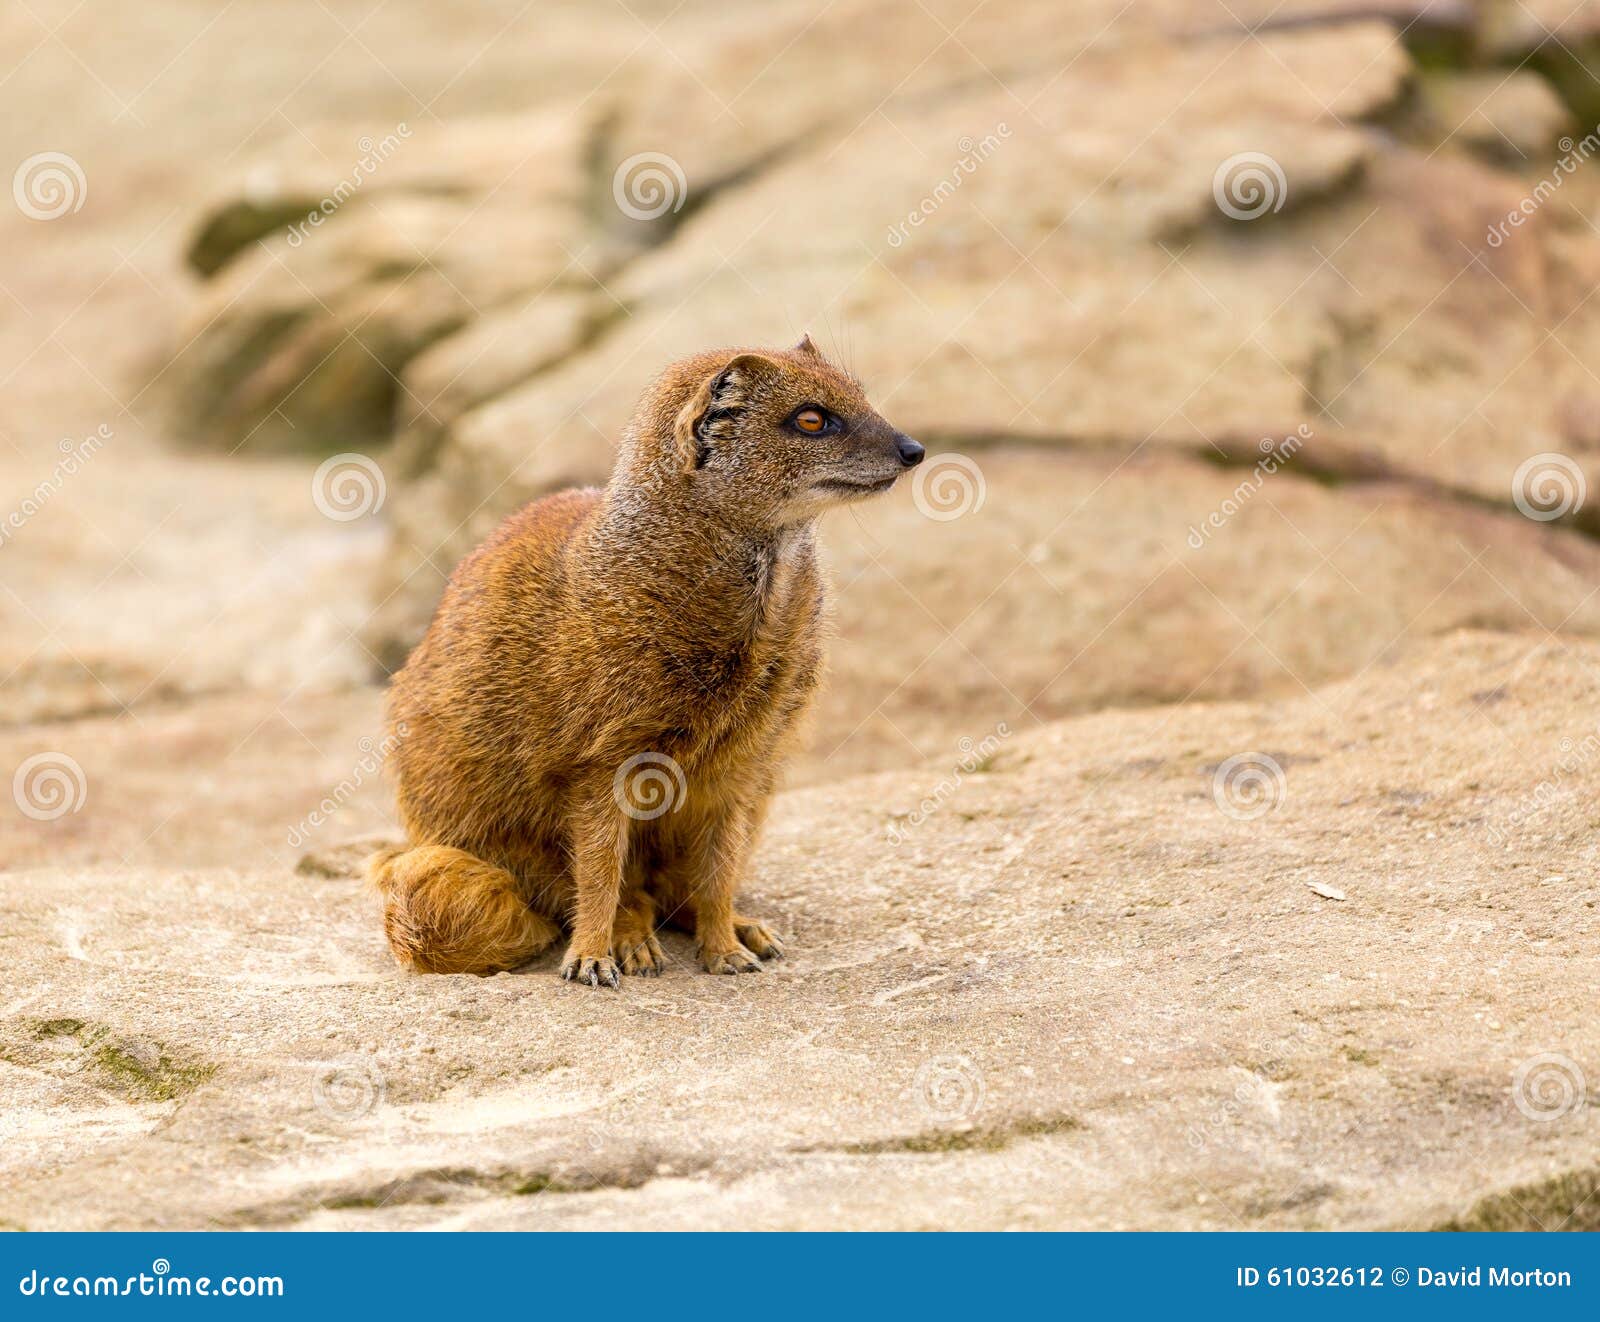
(811, 420)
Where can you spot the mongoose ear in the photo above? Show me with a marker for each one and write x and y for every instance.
(806, 347)
(711, 416)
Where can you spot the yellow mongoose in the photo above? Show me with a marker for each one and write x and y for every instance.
(592, 727)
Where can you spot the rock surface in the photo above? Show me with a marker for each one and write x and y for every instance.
(1051, 966)
(1511, 119)
(1065, 583)
(947, 1047)
(1142, 232)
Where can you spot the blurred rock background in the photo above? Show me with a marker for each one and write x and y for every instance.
(1254, 343)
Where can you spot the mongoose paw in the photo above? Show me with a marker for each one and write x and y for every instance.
(601, 972)
(642, 957)
(758, 938)
(737, 960)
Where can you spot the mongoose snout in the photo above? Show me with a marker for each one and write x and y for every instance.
(590, 732)
(911, 452)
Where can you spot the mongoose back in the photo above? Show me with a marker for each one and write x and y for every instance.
(590, 731)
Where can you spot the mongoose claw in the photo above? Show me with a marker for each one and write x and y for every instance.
(596, 972)
(737, 960)
(642, 958)
(756, 937)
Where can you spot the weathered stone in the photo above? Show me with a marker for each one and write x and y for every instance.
(945, 1047)
(1375, 308)
(1515, 119)
(490, 357)
(1560, 40)
(299, 341)
(1060, 975)
(1083, 582)
(148, 577)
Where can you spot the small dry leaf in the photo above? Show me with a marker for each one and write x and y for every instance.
(1327, 892)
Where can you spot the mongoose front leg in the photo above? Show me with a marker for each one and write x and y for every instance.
(599, 835)
(755, 936)
(720, 932)
(633, 938)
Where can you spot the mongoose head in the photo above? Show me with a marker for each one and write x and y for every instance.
(772, 436)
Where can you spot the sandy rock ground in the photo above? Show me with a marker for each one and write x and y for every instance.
(1179, 845)
(1349, 983)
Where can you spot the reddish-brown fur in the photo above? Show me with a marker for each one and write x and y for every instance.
(662, 634)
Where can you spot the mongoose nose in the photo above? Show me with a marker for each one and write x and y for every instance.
(910, 452)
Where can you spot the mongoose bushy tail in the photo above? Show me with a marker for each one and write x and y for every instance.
(446, 911)
(589, 733)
